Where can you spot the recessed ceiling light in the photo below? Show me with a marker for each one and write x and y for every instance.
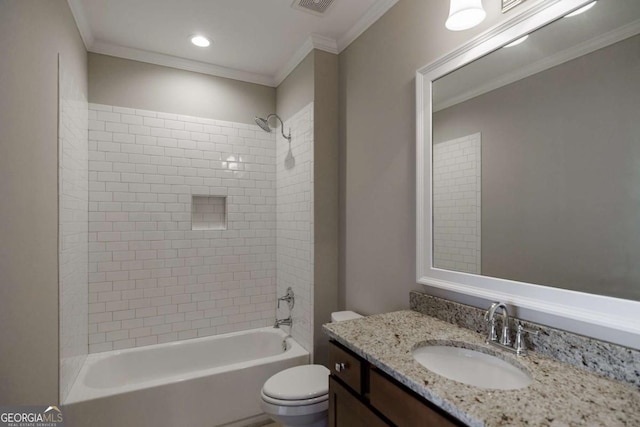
(200, 41)
(517, 42)
(581, 10)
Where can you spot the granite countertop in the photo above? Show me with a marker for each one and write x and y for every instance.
(560, 395)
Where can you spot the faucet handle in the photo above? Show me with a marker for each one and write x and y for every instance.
(520, 346)
(522, 329)
(505, 337)
(288, 297)
(493, 334)
(491, 321)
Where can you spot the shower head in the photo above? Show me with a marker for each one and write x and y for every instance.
(264, 125)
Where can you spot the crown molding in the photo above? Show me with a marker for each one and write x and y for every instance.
(558, 58)
(324, 43)
(179, 63)
(314, 41)
(373, 14)
(77, 10)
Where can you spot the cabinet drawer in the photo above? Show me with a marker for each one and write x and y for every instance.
(401, 407)
(345, 410)
(345, 366)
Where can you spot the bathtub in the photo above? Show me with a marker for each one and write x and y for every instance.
(209, 381)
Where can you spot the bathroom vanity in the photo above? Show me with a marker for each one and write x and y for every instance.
(375, 380)
(362, 395)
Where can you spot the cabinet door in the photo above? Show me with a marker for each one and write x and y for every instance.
(345, 410)
(399, 406)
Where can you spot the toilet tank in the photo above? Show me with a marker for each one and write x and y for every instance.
(339, 316)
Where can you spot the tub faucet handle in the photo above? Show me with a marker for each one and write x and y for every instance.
(288, 297)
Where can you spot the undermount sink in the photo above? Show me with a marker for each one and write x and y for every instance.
(471, 367)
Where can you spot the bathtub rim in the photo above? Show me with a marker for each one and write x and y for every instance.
(80, 392)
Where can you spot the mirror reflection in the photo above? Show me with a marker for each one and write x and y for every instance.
(536, 157)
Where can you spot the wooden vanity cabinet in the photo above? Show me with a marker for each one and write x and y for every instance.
(362, 396)
(345, 409)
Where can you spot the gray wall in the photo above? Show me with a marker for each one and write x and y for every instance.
(560, 156)
(315, 80)
(377, 137)
(297, 89)
(133, 84)
(325, 195)
(32, 33)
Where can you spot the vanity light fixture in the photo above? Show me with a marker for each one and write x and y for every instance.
(517, 41)
(465, 14)
(581, 10)
(200, 41)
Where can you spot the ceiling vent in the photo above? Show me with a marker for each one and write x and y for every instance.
(316, 7)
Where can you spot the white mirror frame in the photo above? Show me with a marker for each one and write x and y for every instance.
(611, 319)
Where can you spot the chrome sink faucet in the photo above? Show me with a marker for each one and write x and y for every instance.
(489, 317)
(504, 341)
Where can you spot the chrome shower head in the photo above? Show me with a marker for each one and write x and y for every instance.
(264, 125)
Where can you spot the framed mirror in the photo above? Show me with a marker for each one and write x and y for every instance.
(528, 166)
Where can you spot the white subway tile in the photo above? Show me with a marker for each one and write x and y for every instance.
(150, 340)
(108, 116)
(156, 161)
(153, 122)
(139, 130)
(98, 348)
(123, 110)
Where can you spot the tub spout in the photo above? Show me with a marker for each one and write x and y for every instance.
(288, 321)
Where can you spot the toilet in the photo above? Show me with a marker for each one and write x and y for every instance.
(299, 396)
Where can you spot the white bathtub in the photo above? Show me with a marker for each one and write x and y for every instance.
(202, 382)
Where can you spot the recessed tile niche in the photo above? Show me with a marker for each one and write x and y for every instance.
(208, 213)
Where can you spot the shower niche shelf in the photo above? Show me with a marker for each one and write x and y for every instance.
(208, 212)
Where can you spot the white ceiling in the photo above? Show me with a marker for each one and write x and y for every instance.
(259, 41)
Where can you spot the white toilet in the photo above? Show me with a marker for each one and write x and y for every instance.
(299, 396)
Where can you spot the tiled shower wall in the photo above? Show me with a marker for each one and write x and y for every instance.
(295, 222)
(73, 203)
(152, 278)
(457, 204)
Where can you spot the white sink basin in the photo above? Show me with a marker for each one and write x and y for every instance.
(471, 367)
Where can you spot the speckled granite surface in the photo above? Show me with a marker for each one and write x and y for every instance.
(560, 395)
(611, 360)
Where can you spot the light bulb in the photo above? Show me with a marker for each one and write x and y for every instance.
(200, 41)
(465, 14)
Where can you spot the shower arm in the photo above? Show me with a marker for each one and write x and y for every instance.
(288, 138)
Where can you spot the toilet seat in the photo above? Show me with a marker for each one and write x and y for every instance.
(297, 386)
(298, 396)
(300, 402)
